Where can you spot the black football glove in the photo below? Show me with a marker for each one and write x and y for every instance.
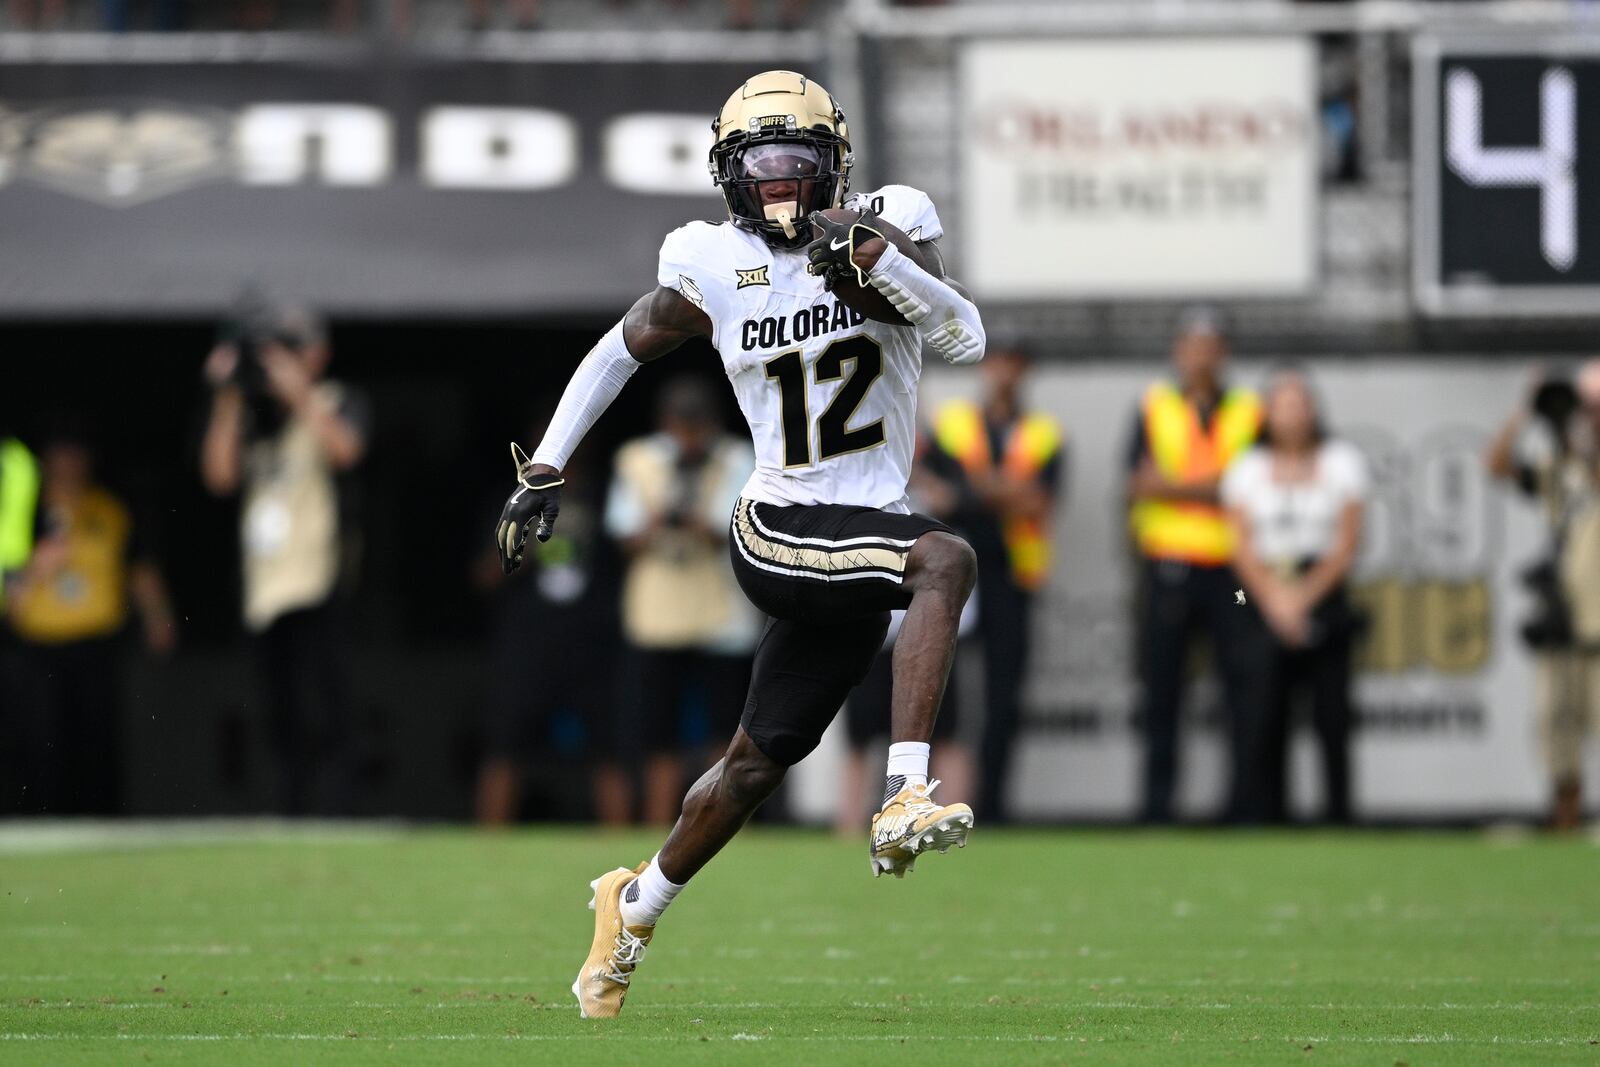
(537, 496)
(830, 256)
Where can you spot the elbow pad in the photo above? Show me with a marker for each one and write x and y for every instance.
(947, 321)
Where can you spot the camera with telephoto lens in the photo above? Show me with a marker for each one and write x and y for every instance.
(253, 325)
(684, 503)
(1551, 624)
(1555, 401)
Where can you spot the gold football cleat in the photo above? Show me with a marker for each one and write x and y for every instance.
(617, 949)
(911, 824)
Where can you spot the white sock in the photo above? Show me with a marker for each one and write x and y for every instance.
(648, 895)
(908, 765)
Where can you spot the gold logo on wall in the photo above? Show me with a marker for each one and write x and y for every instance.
(119, 154)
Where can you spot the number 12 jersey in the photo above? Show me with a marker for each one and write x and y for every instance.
(830, 395)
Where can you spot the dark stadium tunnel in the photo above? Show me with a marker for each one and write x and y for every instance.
(446, 398)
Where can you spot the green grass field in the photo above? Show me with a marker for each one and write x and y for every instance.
(1027, 947)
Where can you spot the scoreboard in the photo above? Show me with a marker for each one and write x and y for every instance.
(1506, 183)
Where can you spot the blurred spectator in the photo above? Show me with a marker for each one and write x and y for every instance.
(1009, 462)
(742, 14)
(38, 14)
(19, 497)
(524, 13)
(256, 14)
(1185, 434)
(686, 622)
(1296, 502)
(282, 435)
(344, 15)
(552, 651)
(1564, 632)
(67, 610)
(1337, 89)
(933, 491)
(117, 16)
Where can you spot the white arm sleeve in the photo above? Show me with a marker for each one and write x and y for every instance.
(594, 385)
(947, 321)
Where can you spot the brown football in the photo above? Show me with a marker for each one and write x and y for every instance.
(868, 301)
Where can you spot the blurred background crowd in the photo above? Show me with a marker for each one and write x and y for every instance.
(397, 17)
(1283, 468)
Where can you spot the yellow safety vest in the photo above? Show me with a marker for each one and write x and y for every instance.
(19, 496)
(1191, 531)
(1033, 441)
(88, 597)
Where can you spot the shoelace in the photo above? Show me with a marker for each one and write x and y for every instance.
(924, 803)
(625, 956)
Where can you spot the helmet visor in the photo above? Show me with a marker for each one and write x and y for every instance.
(778, 161)
(801, 176)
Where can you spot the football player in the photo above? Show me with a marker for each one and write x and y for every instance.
(821, 316)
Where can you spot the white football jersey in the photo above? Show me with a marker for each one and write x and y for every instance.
(830, 395)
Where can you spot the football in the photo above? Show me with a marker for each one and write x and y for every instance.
(867, 300)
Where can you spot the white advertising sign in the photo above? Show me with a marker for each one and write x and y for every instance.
(1150, 168)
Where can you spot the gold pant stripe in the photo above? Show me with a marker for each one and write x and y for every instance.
(843, 559)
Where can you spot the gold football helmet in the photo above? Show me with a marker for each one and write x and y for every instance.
(780, 127)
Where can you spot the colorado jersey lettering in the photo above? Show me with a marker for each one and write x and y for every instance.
(830, 395)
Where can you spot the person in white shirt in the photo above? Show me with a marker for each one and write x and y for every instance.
(1296, 502)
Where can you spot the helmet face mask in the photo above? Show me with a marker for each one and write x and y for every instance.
(764, 176)
(780, 154)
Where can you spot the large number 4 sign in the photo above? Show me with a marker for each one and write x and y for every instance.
(1547, 167)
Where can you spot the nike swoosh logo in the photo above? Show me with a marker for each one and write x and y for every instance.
(836, 245)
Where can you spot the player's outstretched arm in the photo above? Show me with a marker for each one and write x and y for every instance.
(937, 307)
(657, 323)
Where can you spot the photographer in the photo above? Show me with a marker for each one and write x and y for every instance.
(1564, 632)
(688, 628)
(281, 436)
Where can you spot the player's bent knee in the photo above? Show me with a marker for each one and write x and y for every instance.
(781, 747)
(944, 561)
